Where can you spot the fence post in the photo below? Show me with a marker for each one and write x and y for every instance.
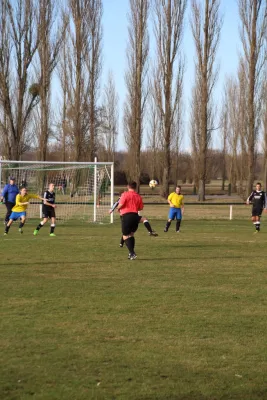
(231, 213)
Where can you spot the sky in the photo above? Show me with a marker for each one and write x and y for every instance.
(115, 24)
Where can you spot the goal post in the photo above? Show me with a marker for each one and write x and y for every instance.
(84, 190)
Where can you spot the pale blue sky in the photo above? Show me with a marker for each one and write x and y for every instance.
(115, 24)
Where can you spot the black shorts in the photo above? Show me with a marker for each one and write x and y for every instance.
(49, 212)
(129, 223)
(256, 211)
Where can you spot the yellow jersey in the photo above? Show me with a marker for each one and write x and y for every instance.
(176, 199)
(23, 199)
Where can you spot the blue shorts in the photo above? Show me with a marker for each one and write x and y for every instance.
(15, 215)
(175, 213)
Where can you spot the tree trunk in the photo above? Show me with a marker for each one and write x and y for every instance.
(251, 106)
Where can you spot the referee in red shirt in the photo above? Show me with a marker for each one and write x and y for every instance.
(129, 205)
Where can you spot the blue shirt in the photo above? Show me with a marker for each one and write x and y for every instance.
(10, 192)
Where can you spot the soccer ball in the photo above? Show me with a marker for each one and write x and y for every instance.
(153, 183)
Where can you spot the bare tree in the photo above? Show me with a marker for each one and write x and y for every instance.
(63, 74)
(235, 112)
(168, 27)
(264, 126)
(195, 135)
(154, 134)
(135, 78)
(177, 139)
(79, 70)
(48, 49)
(224, 133)
(110, 117)
(18, 94)
(78, 84)
(232, 107)
(206, 27)
(94, 69)
(253, 15)
(242, 127)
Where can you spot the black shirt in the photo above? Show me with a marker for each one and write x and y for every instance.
(258, 199)
(50, 197)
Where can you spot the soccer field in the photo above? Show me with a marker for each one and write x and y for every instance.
(184, 321)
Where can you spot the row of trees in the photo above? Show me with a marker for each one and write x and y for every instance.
(243, 111)
(40, 42)
(244, 108)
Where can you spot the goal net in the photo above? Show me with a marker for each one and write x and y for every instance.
(84, 191)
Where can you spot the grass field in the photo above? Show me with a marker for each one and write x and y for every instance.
(185, 321)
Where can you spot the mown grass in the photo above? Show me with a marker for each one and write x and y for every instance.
(186, 320)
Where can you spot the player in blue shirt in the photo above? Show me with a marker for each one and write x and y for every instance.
(9, 194)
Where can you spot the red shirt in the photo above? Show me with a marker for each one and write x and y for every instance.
(131, 202)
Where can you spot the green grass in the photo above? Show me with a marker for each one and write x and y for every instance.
(186, 320)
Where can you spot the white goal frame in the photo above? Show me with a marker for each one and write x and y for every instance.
(95, 164)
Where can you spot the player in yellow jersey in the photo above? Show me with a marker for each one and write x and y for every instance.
(176, 202)
(19, 210)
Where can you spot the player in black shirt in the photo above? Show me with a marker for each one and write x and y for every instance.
(258, 201)
(48, 210)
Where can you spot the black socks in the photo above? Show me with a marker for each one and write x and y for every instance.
(148, 226)
(168, 224)
(178, 224)
(130, 243)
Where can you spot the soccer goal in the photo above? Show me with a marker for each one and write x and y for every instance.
(84, 191)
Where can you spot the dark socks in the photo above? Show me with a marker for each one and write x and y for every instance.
(122, 241)
(21, 224)
(52, 228)
(168, 224)
(178, 224)
(39, 227)
(7, 229)
(148, 226)
(130, 243)
(257, 226)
